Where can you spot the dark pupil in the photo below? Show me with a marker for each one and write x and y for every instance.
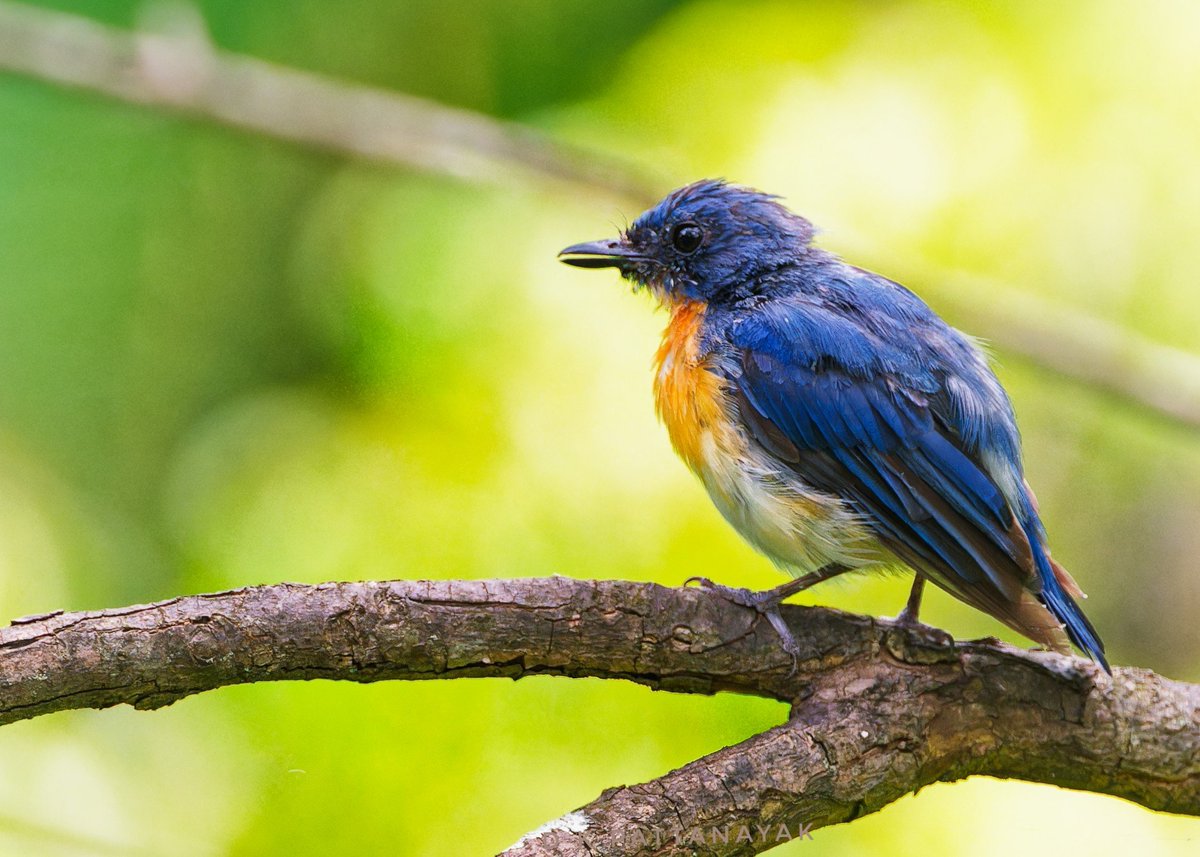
(687, 238)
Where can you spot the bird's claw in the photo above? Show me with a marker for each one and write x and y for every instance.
(735, 594)
(906, 622)
(786, 640)
(765, 603)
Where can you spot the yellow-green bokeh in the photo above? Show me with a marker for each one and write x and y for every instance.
(229, 361)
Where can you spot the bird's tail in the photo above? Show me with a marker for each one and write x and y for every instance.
(1059, 602)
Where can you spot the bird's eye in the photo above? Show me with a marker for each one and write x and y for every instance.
(686, 237)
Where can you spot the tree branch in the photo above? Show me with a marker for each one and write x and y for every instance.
(877, 711)
(1083, 348)
(179, 69)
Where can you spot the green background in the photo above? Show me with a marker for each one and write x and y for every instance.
(226, 360)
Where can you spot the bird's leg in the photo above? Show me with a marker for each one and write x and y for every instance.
(907, 618)
(767, 601)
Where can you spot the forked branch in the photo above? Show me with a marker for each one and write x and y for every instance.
(877, 711)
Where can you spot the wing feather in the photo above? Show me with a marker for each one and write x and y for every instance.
(879, 440)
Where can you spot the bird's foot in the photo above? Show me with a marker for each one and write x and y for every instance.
(765, 602)
(906, 620)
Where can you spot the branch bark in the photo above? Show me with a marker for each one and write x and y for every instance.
(877, 711)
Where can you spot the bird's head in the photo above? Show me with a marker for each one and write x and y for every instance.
(709, 241)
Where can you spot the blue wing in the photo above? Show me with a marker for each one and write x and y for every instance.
(861, 407)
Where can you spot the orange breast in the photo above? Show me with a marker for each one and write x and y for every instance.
(688, 396)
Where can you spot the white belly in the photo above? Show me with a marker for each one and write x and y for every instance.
(797, 527)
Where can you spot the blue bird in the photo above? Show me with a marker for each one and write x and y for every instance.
(836, 421)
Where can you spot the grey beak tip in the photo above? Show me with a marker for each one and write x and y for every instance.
(609, 253)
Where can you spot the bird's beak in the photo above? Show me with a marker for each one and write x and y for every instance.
(612, 253)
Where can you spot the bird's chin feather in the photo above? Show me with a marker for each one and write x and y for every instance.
(643, 280)
(664, 295)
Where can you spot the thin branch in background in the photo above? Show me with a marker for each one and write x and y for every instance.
(1083, 348)
(175, 67)
(878, 711)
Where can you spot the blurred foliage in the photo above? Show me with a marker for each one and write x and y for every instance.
(228, 361)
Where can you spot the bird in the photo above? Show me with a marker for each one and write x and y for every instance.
(835, 420)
